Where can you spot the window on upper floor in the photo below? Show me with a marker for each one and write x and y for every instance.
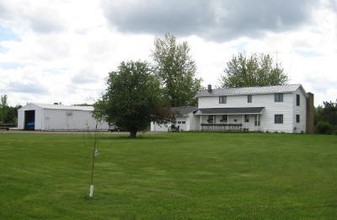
(278, 119)
(278, 97)
(249, 98)
(298, 100)
(298, 118)
(222, 99)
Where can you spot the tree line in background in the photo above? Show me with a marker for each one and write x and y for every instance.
(253, 70)
(8, 114)
(326, 118)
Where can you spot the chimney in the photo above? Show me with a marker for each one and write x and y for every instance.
(310, 113)
(209, 88)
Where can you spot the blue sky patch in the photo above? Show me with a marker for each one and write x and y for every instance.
(10, 65)
(7, 34)
(3, 50)
(308, 53)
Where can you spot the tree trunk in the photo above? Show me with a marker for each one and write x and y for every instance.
(133, 134)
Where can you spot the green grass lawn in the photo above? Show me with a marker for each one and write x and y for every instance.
(169, 176)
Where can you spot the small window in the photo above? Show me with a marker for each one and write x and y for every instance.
(222, 99)
(278, 97)
(298, 118)
(278, 119)
(183, 122)
(179, 122)
(249, 98)
(223, 118)
(297, 100)
(246, 118)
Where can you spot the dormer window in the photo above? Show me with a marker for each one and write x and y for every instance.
(222, 99)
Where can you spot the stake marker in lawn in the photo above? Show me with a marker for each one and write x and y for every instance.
(95, 153)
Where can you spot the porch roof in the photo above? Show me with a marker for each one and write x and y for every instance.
(229, 111)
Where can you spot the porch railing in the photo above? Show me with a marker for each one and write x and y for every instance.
(221, 127)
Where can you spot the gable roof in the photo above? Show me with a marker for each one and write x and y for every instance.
(61, 107)
(184, 110)
(251, 90)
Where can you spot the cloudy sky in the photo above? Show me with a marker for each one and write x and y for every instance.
(62, 50)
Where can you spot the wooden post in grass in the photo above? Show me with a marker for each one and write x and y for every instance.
(95, 154)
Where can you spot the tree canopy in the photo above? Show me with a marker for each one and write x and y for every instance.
(255, 70)
(176, 71)
(326, 118)
(133, 98)
(8, 114)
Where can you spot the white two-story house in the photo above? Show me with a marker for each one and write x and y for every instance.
(281, 108)
(284, 108)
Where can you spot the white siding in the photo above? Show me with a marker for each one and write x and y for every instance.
(192, 123)
(272, 108)
(159, 127)
(287, 108)
(69, 120)
(21, 116)
(60, 119)
(301, 111)
(21, 119)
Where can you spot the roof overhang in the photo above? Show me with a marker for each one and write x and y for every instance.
(230, 111)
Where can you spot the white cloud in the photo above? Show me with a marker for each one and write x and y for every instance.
(62, 51)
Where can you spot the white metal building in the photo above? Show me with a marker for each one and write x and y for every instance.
(46, 117)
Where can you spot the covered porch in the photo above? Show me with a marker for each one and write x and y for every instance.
(230, 119)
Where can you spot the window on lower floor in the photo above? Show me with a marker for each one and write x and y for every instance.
(278, 119)
(246, 118)
(210, 119)
(298, 118)
(223, 118)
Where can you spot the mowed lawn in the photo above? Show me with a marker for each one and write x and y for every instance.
(169, 176)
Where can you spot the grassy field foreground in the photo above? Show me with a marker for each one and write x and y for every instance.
(169, 176)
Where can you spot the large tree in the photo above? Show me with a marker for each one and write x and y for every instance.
(255, 70)
(133, 98)
(176, 71)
